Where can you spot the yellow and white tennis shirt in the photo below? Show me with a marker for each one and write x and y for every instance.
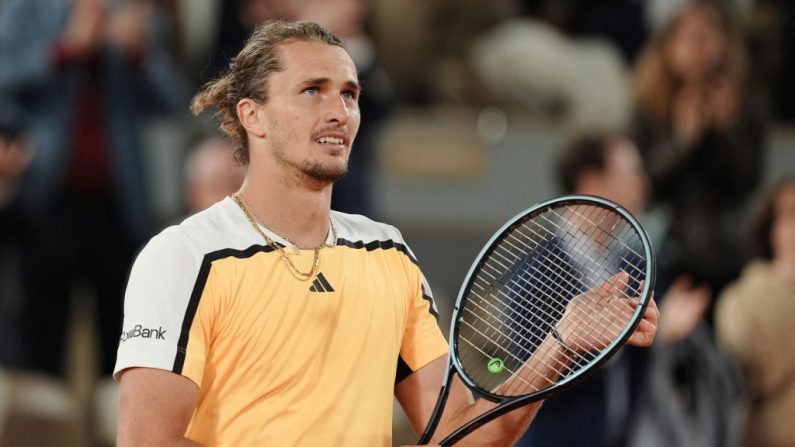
(280, 361)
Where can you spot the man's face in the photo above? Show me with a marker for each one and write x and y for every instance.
(783, 231)
(313, 111)
(624, 178)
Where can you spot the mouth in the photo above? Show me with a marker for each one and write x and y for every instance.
(337, 141)
(333, 141)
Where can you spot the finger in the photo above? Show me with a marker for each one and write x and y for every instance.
(613, 285)
(643, 335)
(641, 290)
(653, 305)
(682, 282)
(651, 314)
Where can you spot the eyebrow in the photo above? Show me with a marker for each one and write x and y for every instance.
(320, 81)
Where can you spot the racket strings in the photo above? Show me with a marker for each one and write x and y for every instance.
(500, 335)
(528, 351)
(560, 262)
(575, 289)
(493, 332)
(512, 371)
(597, 226)
(563, 278)
(523, 320)
(579, 361)
(510, 352)
(511, 340)
(602, 276)
(581, 240)
(563, 367)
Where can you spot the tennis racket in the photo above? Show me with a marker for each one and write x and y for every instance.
(553, 294)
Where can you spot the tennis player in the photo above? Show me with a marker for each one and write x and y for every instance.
(268, 319)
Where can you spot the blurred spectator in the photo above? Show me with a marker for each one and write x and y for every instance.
(771, 29)
(238, 18)
(605, 405)
(211, 173)
(15, 155)
(754, 318)
(555, 60)
(347, 19)
(437, 37)
(528, 64)
(87, 71)
(609, 166)
(692, 396)
(620, 21)
(700, 125)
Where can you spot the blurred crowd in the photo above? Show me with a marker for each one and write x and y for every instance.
(666, 107)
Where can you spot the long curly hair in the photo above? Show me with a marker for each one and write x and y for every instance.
(654, 82)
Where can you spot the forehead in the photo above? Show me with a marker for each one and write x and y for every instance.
(785, 199)
(314, 60)
(623, 153)
(699, 18)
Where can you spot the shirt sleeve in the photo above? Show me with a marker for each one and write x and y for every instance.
(423, 341)
(159, 307)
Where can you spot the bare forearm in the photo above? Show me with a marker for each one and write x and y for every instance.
(540, 371)
(155, 408)
(503, 431)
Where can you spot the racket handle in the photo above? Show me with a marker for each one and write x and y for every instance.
(436, 416)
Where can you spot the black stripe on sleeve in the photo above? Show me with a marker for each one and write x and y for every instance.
(190, 313)
(198, 291)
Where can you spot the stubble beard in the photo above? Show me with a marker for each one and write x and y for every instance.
(323, 174)
(312, 171)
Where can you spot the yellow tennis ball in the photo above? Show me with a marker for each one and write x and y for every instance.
(496, 365)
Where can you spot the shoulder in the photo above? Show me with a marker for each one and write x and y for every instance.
(208, 233)
(173, 265)
(355, 227)
(756, 290)
(757, 276)
(357, 231)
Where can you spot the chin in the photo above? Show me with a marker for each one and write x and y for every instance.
(325, 173)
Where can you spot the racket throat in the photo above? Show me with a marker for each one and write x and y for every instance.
(436, 416)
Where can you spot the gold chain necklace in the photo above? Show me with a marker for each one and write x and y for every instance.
(289, 263)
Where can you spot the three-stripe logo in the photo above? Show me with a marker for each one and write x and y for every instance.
(320, 284)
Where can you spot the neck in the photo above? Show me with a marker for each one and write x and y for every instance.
(297, 210)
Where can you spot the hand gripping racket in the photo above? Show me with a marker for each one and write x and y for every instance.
(553, 294)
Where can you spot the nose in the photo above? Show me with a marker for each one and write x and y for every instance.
(338, 111)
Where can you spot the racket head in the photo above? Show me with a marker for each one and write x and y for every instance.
(506, 288)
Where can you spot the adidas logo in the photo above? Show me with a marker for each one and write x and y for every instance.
(320, 284)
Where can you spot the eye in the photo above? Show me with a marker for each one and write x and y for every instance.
(311, 90)
(351, 94)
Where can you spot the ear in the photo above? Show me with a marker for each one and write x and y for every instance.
(252, 117)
